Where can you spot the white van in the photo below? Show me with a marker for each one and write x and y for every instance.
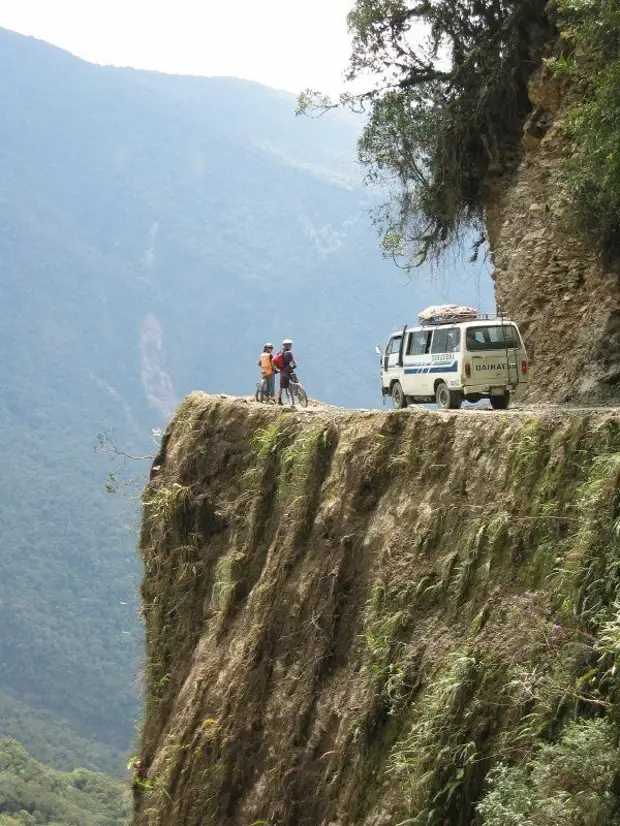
(451, 361)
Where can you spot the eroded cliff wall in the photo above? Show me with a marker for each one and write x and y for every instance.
(565, 298)
(352, 615)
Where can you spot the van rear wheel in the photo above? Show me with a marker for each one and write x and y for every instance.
(447, 399)
(398, 397)
(500, 402)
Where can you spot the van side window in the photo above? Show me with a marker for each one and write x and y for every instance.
(453, 342)
(492, 337)
(418, 343)
(446, 341)
(394, 346)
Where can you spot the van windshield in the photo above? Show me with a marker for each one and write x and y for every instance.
(493, 337)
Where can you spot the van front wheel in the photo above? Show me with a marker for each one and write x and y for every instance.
(447, 399)
(398, 397)
(500, 402)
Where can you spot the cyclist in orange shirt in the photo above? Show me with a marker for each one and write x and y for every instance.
(268, 373)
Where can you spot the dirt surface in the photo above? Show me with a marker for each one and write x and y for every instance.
(520, 409)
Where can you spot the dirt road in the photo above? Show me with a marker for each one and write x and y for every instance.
(317, 408)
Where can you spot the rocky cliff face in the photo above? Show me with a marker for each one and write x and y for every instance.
(351, 616)
(566, 300)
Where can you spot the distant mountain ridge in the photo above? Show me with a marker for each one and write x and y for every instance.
(154, 231)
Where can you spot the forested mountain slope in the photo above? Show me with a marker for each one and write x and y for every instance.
(32, 794)
(154, 231)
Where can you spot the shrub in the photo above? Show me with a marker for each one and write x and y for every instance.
(569, 783)
(591, 28)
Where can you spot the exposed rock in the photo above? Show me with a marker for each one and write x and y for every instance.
(552, 283)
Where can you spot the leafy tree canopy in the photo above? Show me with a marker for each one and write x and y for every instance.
(32, 794)
(446, 108)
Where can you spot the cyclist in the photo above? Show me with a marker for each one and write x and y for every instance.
(285, 362)
(268, 372)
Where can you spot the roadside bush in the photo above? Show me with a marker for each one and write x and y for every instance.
(569, 783)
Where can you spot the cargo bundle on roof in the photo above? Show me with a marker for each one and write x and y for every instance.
(442, 313)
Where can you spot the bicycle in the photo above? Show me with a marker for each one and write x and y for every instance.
(295, 390)
(262, 392)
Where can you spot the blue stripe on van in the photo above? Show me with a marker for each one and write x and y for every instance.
(427, 368)
(453, 368)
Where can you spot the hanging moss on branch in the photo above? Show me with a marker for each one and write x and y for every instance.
(448, 107)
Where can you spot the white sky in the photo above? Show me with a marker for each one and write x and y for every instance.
(288, 44)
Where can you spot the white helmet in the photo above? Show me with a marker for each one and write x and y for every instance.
(287, 342)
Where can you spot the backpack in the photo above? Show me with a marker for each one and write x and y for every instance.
(278, 360)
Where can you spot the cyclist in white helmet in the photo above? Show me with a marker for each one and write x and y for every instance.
(285, 362)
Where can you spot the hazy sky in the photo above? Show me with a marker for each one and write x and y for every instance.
(283, 43)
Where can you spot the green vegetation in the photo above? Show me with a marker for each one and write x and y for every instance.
(303, 462)
(590, 31)
(223, 583)
(269, 445)
(451, 98)
(422, 612)
(381, 628)
(436, 759)
(568, 783)
(53, 739)
(165, 502)
(535, 706)
(32, 794)
(448, 107)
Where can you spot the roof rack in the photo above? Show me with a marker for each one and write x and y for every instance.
(437, 321)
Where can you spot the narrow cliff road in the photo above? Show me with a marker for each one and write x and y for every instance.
(352, 616)
(537, 409)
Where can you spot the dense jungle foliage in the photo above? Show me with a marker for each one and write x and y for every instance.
(32, 794)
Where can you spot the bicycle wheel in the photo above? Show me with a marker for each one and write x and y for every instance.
(302, 396)
(261, 391)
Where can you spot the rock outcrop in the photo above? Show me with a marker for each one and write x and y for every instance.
(351, 616)
(565, 299)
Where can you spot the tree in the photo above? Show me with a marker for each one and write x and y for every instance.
(446, 110)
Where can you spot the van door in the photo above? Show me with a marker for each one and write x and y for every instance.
(415, 358)
(417, 362)
(445, 351)
(494, 352)
(390, 360)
